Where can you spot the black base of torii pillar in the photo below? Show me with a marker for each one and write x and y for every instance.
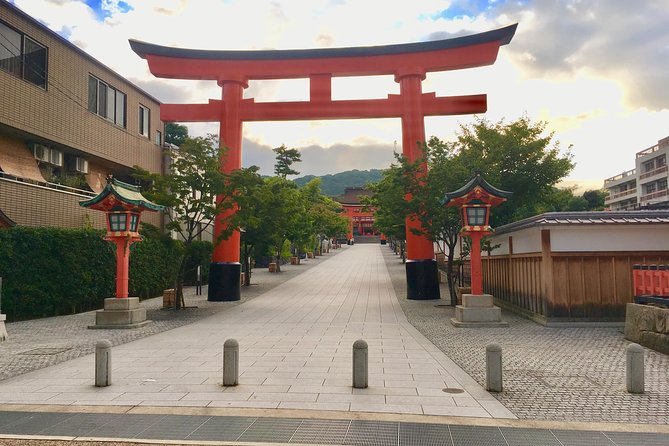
(224, 282)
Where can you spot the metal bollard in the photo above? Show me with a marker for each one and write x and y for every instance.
(493, 364)
(231, 362)
(103, 363)
(360, 364)
(635, 368)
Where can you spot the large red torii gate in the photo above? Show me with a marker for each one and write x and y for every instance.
(409, 64)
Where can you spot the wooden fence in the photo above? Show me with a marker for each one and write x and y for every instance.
(587, 286)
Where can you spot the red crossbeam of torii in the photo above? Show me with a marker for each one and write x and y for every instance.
(408, 63)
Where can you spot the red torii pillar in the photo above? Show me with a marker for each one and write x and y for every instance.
(409, 64)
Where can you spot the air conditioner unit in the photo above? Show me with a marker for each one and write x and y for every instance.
(80, 164)
(41, 152)
(56, 157)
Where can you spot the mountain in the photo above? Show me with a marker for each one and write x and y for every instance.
(334, 184)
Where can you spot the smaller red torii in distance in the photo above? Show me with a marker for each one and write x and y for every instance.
(408, 63)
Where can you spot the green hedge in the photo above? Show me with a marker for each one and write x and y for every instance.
(55, 271)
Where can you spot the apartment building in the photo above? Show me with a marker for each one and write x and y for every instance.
(643, 186)
(66, 122)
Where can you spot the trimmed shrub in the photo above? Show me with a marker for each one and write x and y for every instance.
(54, 271)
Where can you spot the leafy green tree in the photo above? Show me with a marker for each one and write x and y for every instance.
(280, 209)
(322, 213)
(596, 199)
(520, 157)
(248, 217)
(390, 206)
(189, 192)
(175, 133)
(285, 158)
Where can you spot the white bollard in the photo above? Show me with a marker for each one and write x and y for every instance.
(493, 368)
(103, 363)
(231, 362)
(360, 364)
(635, 368)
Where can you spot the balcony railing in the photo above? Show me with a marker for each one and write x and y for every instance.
(653, 172)
(47, 185)
(654, 195)
(613, 197)
(648, 151)
(629, 173)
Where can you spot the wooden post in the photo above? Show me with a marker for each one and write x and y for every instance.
(546, 272)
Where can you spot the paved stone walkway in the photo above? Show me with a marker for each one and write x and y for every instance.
(564, 374)
(295, 353)
(40, 343)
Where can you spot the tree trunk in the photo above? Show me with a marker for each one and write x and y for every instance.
(179, 288)
(450, 276)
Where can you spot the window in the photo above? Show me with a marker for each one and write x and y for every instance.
(159, 137)
(650, 188)
(661, 161)
(106, 101)
(144, 117)
(650, 165)
(662, 184)
(22, 56)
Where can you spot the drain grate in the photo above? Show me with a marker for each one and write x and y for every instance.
(46, 351)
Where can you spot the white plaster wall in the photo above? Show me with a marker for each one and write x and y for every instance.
(524, 241)
(609, 238)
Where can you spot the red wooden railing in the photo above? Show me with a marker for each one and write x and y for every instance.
(651, 280)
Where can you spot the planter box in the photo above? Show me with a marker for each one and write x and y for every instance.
(168, 298)
(272, 267)
(294, 260)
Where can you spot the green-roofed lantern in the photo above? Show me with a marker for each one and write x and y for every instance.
(123, 203)
(475, 199)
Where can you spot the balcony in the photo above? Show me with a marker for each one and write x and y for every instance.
(629, 176)
(648, 151)
(615, 197)
(653, 172)
(654, 195)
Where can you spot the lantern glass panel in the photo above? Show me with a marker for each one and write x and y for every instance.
(134, 218)
(476, 216)
(117, 222)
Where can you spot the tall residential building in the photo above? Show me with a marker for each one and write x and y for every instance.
(66, 122)
(643, 186)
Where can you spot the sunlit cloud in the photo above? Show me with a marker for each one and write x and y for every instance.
(594, 71)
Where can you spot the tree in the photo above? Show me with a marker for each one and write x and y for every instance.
(189, 191)
(389, 203)
(322, 213)
(518, 157)
(596, 199)
(285, 158)
(175, 133)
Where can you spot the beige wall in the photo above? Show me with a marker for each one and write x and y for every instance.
(32, 205)
(60, 114)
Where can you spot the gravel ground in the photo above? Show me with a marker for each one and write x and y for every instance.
(564, 374)
(41, 343)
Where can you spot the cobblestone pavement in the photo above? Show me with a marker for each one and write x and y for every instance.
(41, 343)
(564, 374)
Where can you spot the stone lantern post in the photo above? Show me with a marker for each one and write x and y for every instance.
(475, 199)
(123, 205)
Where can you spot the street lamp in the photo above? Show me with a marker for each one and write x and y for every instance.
(475, 200)
(123, 205)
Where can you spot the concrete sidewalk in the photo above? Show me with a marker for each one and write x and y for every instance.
(295, 353)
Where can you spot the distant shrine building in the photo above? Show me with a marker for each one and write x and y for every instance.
(360, 221)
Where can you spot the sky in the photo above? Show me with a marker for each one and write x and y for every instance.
(596, 71)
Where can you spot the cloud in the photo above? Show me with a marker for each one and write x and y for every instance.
(319, 160)
(616, 39)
